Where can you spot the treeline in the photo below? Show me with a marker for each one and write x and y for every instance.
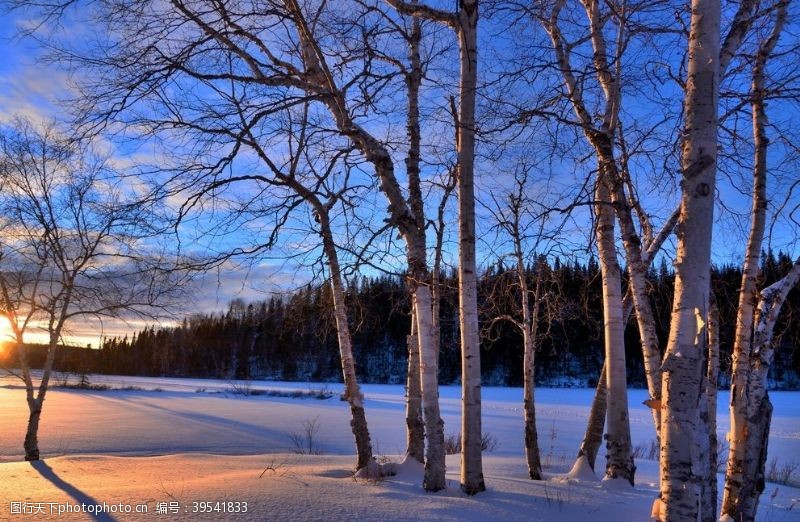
(294, 338)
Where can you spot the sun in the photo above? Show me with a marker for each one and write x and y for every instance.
(6, 334)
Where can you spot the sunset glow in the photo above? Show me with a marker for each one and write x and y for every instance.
(6, 335)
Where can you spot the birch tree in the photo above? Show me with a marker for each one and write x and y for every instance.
(281, 54)
(684, 364)
(464, 22)
(314, 185)
(740, 496)
(514, 218)
(74, 247)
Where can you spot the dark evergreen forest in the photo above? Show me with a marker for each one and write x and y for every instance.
(294, 338)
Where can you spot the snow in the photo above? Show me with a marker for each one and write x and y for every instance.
(184, 445)
(581, 470)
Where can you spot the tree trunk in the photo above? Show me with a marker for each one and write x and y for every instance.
(754, 469)
(597, 419)
(471, 458)
(618, 435)
(597, 415)
(708, 502)
(760, 409)
(637, 270)
(529, 324)
(31, 435)
(352, 392)
(434, 426)
(415, 428)
(683, 368)
(738, 457)
(411, 228)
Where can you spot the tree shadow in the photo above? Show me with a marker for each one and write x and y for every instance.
(79, 496)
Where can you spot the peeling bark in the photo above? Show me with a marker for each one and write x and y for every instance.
(759, 411)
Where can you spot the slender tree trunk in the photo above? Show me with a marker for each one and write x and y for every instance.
(434, 426)
(471, 458)
(597, 419)
(407, 218)
(708, 502)
(352, 393)
(529, 325)
(597, 415)
(31, 434)
(684, 366)
(415, 428)
(760, 409)
(618, 435)
(735, 480)
(413, 78)
(637, 271)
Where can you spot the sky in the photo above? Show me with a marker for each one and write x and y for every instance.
(32, 89)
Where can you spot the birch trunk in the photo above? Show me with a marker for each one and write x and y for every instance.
(618, 435)
(529, 324)
(413, 79)
(471, 458)
(602, 141)
(597, 419)
(353, 394)
(760, 409)
(31, 444)
(738, 457)
(434, 426)
(684, 368)
(407, 219)
(415, 428)
(597, 414)
(708, 501)
(637, 270)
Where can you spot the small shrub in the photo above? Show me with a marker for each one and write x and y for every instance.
(306, 441)
(240, 388)
(646, 450)
(452, 443)
(781, 473)
(722, 454)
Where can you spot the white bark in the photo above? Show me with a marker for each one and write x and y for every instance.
(465, 24)
(738, 457)
(684, 364)
(618, 436)
(352, 392)
(759, 411)
(429, 366)
(602, 141)
(708, 502)
(594, 426)
(406, 219)
(415, 428)
(471, 458)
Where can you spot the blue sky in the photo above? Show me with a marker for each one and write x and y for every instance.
(31, 89)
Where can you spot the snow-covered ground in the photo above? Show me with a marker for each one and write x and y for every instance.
(196, 441)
